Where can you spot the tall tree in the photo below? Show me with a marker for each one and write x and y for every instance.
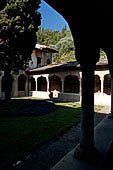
(19, 21)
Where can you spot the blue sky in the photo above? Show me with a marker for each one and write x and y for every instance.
(50, 18)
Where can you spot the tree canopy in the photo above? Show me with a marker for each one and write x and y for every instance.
(19, 21)
(62, 41)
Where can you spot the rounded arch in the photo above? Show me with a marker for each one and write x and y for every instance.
(33, 84)
(71, 84)
(21, 82)
(38, 61)
(97, 88)
(48, 61)
(4, 84)
(107, 84)
(55, 83)
(41, 84)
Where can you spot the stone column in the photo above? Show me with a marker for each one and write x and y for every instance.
(111, 114)
(110, 64)
(47, 83)
(0, 87)
(80, 80)
(15, 86)
(62, 85)
(86, 149)
(26, 87)
(36, 82)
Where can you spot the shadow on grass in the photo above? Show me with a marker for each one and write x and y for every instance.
(21, 135)
(26, 107)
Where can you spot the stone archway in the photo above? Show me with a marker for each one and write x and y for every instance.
(4, 84)
(97, 88)
(41, 84)
(33, 84)
(71, 84)
(107, 84)
(55, 83)
(22, 82)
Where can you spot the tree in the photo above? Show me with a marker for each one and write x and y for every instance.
(66, 49)
(19, 21)
(64, 30)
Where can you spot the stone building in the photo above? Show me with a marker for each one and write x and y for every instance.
(41, 56)
(61, 81)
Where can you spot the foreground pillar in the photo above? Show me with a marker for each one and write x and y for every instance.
(110, 64)
(111, 114)
(86, 149)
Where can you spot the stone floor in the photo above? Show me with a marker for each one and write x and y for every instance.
(48, 155)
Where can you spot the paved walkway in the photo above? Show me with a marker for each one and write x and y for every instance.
(103, 139)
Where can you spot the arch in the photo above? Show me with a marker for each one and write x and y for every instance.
(107, 84)
(33, 84)
(97, 88)
(4, 84)
(48, 61)
(21, 82)
(41, 84)
(38, 61)
(71, 84)
(55, 83)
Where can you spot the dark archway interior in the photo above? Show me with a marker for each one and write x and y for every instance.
(97, 84)
(55, 83)
(33, 84)
(21, 83)
(4, 84)
(41, 84)
(71, 84)
(107, 84)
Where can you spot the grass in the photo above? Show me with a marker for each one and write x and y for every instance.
(21, 135)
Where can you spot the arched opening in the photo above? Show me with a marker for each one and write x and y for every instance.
(107, 84)
(21, 83)
(38, 61)
(41, 84)
(33, 84)
(55, 83)
(9, 85)
(97, 88)
(71, 84)
(48, 61)
(3, 84)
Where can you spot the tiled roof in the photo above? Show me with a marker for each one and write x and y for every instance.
(45, 48)
(74, 65)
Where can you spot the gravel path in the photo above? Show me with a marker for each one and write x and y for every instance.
(48, 155)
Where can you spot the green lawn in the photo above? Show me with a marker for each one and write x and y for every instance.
(21, 135)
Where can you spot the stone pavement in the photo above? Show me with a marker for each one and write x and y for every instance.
(103, 139)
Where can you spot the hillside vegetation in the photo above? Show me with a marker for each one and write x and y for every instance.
(63, 42)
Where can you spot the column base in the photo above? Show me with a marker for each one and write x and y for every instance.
(110, 116)
(87, 154)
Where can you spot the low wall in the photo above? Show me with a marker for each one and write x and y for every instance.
(21, 94)
(102, 99)
(40, 94)
(69, 97)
